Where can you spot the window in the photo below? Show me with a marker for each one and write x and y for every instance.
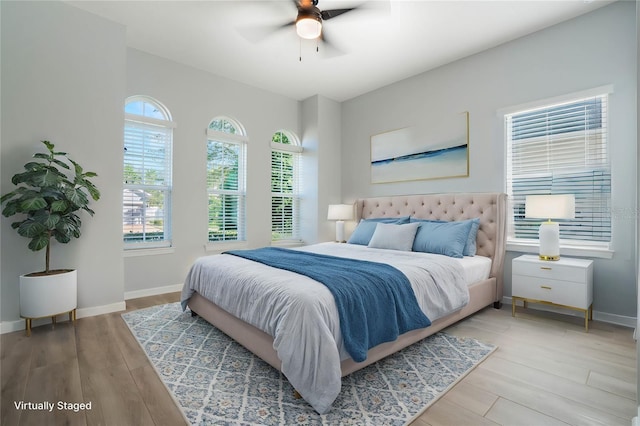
(146, 198)
(226, 168)
(562, 149)
(285, 205)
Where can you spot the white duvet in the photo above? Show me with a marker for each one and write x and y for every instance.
(302, 316)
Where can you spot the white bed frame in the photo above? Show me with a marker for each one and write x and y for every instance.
(489, 207)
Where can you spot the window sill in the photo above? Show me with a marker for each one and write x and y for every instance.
(219, 247)
(287, 243)
(599, 252)
(135, 252)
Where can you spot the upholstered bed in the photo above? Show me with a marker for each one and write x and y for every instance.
(489, 208)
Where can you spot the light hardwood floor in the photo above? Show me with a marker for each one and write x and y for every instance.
(546, 371)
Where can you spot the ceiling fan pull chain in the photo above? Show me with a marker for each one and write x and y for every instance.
(300, 50)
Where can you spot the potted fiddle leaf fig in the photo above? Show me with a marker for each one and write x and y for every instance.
(49, 194)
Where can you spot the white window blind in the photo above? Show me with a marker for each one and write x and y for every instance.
(147, 176)
(562, 149)
(226, 159)
(285, 187)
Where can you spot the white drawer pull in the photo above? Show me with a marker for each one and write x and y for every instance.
(546, 287)
(546, 268)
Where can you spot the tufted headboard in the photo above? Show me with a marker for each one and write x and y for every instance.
(491, 208)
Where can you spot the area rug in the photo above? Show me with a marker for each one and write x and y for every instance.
(215, 381)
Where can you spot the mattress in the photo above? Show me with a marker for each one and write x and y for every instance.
(476, 268)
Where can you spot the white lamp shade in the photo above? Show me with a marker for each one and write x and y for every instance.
(340, 212)
(560, 206)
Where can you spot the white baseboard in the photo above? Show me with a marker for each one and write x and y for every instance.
(597, 315)
(152, 291)
(17, 325)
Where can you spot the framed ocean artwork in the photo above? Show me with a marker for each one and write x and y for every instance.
(400, 155)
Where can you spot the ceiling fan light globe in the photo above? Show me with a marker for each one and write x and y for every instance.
(308, 28)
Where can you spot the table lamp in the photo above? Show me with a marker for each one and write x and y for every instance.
(560, 206)
(340, 213)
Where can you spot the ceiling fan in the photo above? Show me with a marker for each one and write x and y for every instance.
(309, 20)
(308, 24)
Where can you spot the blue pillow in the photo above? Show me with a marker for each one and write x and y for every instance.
(365, 229)
(448, 238)
(470, 246)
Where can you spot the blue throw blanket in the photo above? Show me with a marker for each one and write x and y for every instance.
(375, 301)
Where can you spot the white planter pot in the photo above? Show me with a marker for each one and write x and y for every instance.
(49, 295)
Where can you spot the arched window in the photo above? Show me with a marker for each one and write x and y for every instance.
(226, 179)
(285, 186)
(146, 200)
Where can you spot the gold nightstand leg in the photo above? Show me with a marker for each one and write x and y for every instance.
(586, 320)
(27, 326)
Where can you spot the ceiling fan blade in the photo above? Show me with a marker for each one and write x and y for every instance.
(256, 34)
(332, 13)
(329, 49)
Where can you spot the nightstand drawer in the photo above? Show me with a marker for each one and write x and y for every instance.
(550, 269)
(566, 293)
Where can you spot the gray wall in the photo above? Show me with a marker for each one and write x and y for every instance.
(587, 52)
(56, 85)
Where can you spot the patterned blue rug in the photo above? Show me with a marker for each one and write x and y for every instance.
(215, 381)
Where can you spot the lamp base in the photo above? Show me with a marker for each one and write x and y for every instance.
(549, 239)
(546, 257)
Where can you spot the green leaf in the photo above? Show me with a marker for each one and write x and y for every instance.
(42, 156)
(88, 210)
(11, 194)
(77, 197)
(62, 164)
(48, 177)
(49, 146)
(39, 242)
(90, 174)
(65, 226)
(59, 206)
(33, 203)
(61, 238)
(23, 177)
(16, 225)
(48, 220)
(93, 191)
(77, 167)
(10, 209)
(31, 229)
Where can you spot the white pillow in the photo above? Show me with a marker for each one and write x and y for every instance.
(394, 237)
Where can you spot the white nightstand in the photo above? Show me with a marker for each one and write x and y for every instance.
(567, 283)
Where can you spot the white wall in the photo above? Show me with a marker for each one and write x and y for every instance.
(194, 98)
(590, 51)
(58, 85)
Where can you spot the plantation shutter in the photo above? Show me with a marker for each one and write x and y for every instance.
(284, 194)
(226, 189)
(562, 149)
(147, 181)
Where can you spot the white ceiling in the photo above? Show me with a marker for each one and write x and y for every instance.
(378, 44)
